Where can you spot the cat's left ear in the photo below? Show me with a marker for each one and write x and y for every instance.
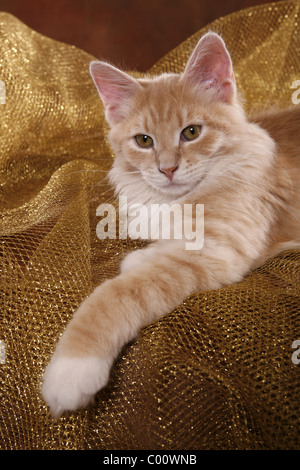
(115, 88)
(211, 67)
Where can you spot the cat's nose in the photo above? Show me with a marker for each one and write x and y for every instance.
(169, 172)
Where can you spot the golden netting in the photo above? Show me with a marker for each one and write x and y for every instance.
(217, 373)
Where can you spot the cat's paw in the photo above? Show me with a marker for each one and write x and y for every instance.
(71, 383)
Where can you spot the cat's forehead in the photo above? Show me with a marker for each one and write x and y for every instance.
(161, 88)
(166, 98)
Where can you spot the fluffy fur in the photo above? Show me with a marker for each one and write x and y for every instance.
(245, 171)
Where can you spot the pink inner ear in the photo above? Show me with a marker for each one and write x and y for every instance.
(222, 67)
(210, 66)
(115, 89)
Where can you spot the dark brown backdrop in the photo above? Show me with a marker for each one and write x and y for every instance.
(133, 34)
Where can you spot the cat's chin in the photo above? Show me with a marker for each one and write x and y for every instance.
(175, 189)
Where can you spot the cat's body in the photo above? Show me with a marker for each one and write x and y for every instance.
(182, 138)
(283, 126)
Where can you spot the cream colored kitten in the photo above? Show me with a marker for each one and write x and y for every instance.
(181, 138)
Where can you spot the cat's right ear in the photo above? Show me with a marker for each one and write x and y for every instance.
(211, 67)
(115, 88)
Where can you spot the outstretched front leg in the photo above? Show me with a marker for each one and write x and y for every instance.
(152, 283)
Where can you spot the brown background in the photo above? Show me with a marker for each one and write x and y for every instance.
(133, 34)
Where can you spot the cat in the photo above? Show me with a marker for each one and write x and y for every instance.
(181, 138)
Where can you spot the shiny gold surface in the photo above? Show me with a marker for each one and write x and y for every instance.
(217, 373)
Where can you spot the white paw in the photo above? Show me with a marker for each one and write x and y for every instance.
(71, 383)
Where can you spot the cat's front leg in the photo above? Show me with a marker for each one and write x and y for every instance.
(82, 360)
(110, 317)
(154, 282)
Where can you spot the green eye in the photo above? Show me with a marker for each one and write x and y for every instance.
(144, 140)
(191, 132)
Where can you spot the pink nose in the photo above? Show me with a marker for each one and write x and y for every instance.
(169, 172)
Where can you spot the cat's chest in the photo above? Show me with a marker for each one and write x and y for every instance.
(163, 221)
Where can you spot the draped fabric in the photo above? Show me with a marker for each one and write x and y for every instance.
(220, 371)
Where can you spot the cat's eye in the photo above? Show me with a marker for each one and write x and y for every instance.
(191, 132)
(144, 141)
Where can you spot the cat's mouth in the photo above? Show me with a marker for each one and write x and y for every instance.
(172, 187)
(180, 189)
(175, 188)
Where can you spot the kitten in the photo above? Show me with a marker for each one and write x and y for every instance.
(181, 138)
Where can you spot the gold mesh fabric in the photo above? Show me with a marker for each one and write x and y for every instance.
(217, 373)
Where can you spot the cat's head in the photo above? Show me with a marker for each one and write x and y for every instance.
(168, 132)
